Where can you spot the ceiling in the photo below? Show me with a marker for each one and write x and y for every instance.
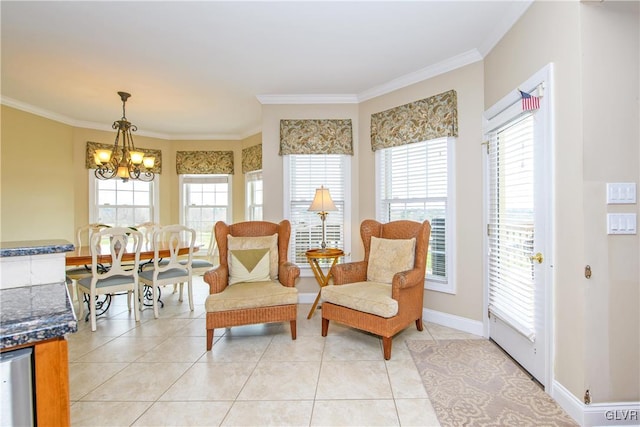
(201, 70)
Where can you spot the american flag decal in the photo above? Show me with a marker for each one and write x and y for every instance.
(529, 102)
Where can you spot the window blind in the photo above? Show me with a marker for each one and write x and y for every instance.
(413, 184)
(308, 172)
(510, 227)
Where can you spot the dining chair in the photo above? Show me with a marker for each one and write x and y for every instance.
(383, 293)
(172, 270)
(205, 262)
(75, 273)
(147, 229)
(117, 277)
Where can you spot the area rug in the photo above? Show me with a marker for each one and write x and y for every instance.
(474, 383)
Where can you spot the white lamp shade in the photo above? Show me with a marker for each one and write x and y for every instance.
(149, 162)
(322, 201)
(136, 157)
(102, 156)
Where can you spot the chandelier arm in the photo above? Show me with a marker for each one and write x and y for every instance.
(121, 157)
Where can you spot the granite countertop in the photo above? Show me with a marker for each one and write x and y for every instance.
(35, 313)
(34, 247)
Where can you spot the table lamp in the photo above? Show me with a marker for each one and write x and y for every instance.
(322, 203)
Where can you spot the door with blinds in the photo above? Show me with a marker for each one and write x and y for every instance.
(518, 200)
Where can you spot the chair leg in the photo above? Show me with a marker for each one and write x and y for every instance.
(136, 302)
(154, 295)
(175, 288)
(190, 290)
(70, 290)
(129, 300)
(386, 346)
(419, 324)
(140, 296)
(180, 295)
(92, 308)
(209, 339)
(293, 330)
(80, 302)
(325, 326)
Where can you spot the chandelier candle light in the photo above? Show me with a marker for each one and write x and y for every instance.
(323, 204)
(124, 162)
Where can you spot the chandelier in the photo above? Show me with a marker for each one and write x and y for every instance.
(124, 162)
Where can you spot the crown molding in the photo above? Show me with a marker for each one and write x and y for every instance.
(28, 108)
(426, 73)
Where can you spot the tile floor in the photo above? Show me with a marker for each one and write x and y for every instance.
(158, 372)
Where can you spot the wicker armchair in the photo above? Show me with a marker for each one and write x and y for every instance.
(382, 307)
(244, 303)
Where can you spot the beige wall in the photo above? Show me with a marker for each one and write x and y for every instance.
(37, 178)
(468, 83)
(52, 199)
(594, 49)
(611, 89)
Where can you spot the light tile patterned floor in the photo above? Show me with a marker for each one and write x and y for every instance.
(158, 372)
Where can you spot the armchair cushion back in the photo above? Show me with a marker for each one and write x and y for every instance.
(249, 265)
(388, 257)
(259, 242)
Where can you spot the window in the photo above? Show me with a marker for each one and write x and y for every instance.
(415, 182)
(253, 182)
(122, 204)
(303, 174)
(206, 199)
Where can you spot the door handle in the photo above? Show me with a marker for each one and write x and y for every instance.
(537, 257)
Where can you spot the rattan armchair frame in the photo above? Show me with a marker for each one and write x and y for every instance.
(218, 278)
(407, 286)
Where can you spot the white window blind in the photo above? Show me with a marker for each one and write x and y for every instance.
(413, 184)
(205, 200)
(306, 173)
(510, 228)
(254, 195)
(121, 204)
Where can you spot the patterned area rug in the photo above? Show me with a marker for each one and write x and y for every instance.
(474, 383)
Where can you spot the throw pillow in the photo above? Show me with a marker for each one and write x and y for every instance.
(249, 265)
(260, 242)
(388, 257)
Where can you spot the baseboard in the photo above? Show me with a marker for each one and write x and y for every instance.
(596, 414)
(452, 321)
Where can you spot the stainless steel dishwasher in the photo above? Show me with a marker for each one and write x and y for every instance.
(16, 392)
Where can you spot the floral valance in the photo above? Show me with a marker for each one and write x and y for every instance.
(429, 118)
(204, 162)
(324, 136)
(90, 162)
(252, 158)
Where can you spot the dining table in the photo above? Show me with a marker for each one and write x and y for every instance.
(81, 256)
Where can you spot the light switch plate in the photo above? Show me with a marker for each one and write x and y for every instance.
(621, 193)
(621, 223)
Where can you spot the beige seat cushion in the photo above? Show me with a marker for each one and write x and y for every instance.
(251, 295)
(369, 297)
